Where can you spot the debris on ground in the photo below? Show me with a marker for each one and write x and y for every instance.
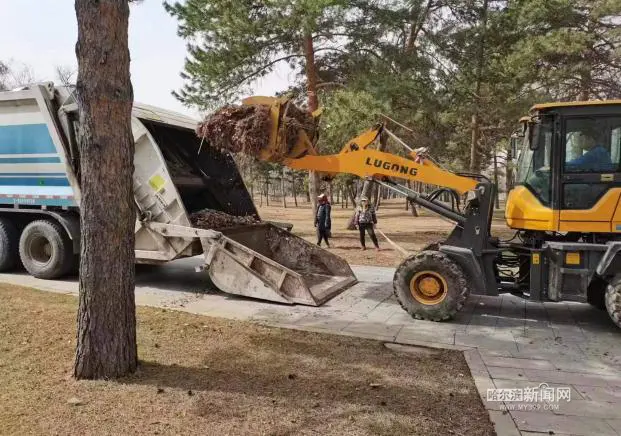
(215, 220)
(74, 401)
(247, 361)
(246, 129)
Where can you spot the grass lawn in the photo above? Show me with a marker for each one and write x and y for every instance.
(209, 376)
(410, 233)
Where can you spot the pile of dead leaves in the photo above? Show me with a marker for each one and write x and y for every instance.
(215, 220)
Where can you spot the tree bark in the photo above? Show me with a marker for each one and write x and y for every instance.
(293, 189)
(585, 85)
(497, 199)
(284, 187)
(106, 337)
(351, 191)
(313, 105)
(475, 165)
(416, 24)
(509, 170)
(331, 191)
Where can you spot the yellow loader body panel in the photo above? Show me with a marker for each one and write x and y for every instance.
(525, 211)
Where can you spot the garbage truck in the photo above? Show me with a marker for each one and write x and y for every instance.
(176, 174)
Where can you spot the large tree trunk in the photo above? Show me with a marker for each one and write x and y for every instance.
(313, 105)
(475, 164)
(497, 195)
(106, 338)
(417, 21)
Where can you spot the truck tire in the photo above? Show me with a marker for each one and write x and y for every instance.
(46, 250)
(429, 285)
(9, 245)
(613, 300)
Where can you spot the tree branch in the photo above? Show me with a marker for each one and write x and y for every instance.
(260, 70)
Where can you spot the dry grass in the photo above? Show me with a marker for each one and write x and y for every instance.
(411, 233)
(202, 375)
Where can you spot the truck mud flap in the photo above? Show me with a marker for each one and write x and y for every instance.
(267, 262)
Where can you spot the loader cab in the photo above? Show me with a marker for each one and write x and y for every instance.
(568, 172)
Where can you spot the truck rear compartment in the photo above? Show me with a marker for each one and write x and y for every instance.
(205, 178)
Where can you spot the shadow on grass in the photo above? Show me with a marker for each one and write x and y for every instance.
(361, 378)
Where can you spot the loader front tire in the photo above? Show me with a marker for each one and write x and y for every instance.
(46, 250)
(613, 300)
(9, 245)
(429, 285)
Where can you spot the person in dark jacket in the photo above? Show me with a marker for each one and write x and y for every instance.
(323, 220)
(365, 219)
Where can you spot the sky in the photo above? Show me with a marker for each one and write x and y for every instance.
(42, 34)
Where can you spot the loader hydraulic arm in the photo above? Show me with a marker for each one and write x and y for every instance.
(359, 159)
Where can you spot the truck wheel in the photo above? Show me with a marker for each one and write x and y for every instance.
(46, 250)
(429, 285)
(9, 245)
(613, 300)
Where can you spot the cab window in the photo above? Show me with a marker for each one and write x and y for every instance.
(592, 145)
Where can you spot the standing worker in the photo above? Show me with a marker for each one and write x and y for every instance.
(366, 219)
(323, 221)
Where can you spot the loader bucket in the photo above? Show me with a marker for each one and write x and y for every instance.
(266, 262)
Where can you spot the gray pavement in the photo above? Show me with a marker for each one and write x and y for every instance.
(510, 344)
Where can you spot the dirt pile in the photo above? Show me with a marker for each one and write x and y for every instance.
(246, 129)
(216, 220)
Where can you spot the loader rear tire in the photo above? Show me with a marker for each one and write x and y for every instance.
(613, 300)
(46, 250)
(9, 245)
(429, 285)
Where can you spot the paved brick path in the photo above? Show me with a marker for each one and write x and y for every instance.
(508, 343)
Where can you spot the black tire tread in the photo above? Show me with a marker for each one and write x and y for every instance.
(9, 231)
(444, 265)
(613, 300)
(67, 261)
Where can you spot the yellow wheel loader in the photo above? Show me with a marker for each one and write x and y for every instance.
(565, 209)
